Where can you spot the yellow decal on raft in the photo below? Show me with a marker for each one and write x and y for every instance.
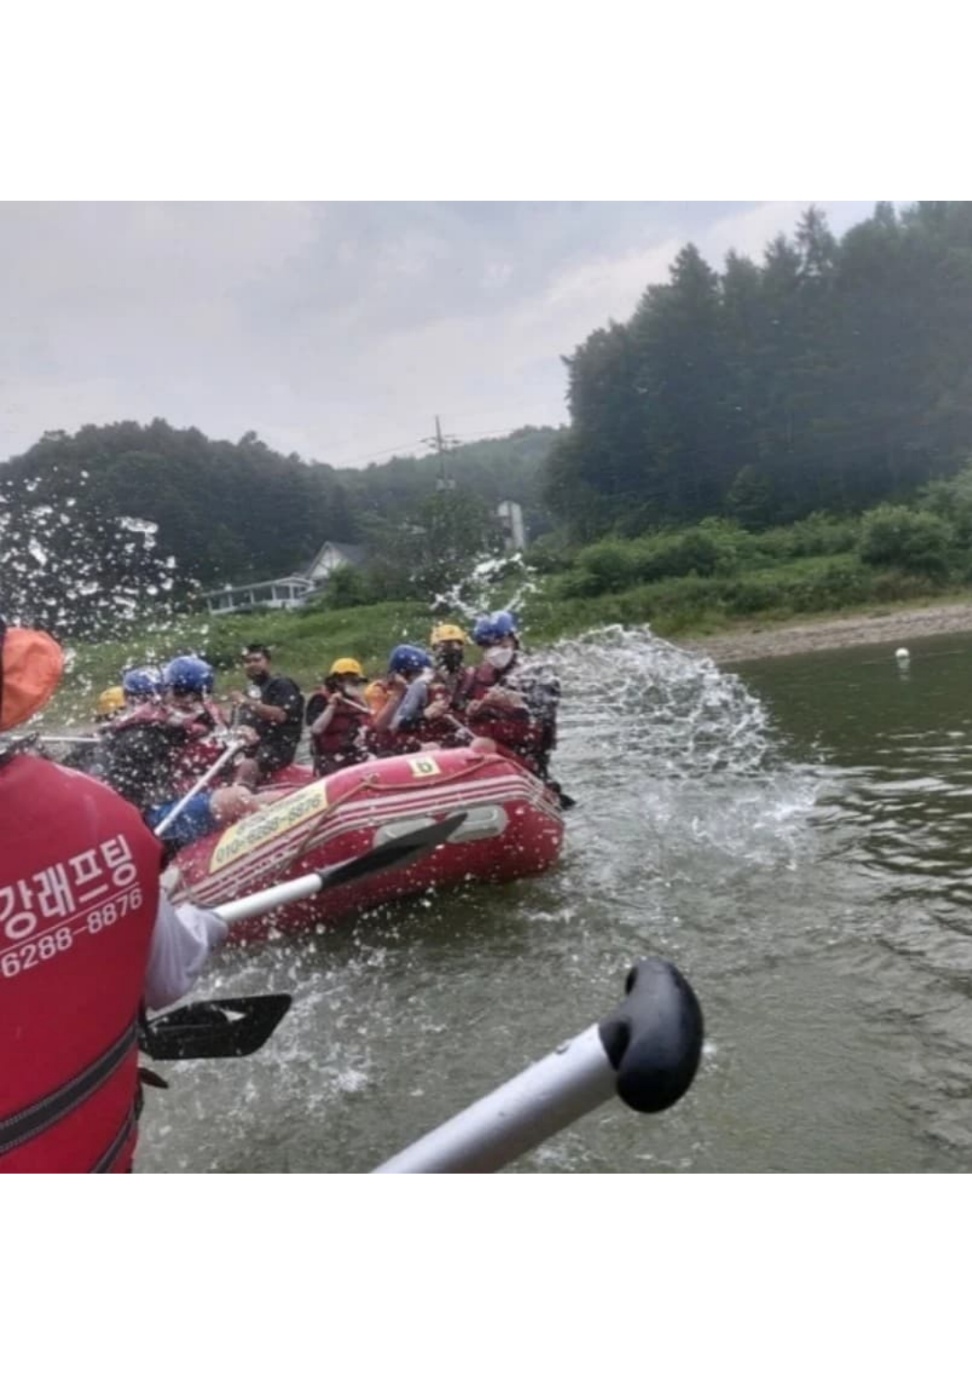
(269, 824)
(423, 767)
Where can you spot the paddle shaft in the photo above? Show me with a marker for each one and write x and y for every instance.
(198, 786)
(258, 903)
(647, 1051)
(56, 739)
(394, 853)
(520, 1115)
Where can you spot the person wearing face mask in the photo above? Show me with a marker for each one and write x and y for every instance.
(426, 713)
(448, 643)
(496, 636)
(337, 716)
(86, 938)
(509, 700)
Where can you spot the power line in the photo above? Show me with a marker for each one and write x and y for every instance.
(450, 441)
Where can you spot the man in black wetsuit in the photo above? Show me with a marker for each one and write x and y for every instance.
(273, 708)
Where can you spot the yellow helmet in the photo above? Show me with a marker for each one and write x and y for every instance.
(111, 700)
(341, 666)
(442, 632)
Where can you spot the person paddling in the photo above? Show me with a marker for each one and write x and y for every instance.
(405, 691)
(512, 700)
(337, 716)
(428, 710)
(155, 753)
(86, 939)
(273, 710)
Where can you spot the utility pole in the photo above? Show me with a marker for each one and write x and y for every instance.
(441, 443)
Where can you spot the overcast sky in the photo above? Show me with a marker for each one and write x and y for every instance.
(336, 329)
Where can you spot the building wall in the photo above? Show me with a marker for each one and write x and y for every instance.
(511, 517)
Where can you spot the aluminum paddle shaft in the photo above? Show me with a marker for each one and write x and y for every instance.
(228, 753)
(398, 852)
(258, 903)
(647, 1052)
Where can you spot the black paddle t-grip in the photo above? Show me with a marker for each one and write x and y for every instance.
(654, 1038)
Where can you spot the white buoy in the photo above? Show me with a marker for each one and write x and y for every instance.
(901, 655)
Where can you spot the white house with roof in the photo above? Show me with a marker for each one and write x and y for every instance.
(285, 593)
(331, 556)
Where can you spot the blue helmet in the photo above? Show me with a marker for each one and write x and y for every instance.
(142, 682)
(490, 628)
(406, 658)
(188, 674)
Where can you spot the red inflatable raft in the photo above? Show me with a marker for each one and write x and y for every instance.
(513, 828)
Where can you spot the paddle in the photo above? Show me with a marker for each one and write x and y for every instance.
(647, 1051)
(228, 753)
(394, 853)
(226, 1028)
(54, 739)
(232, 1027)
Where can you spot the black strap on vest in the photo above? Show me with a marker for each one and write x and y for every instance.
(104, 1164)
(30, 1121)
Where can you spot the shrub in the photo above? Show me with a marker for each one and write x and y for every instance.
(915, 540)
(748, 596)
(609, 566)
(819, 535)
(676, 555)
(830, 588)
(903, 586)
(348, 586)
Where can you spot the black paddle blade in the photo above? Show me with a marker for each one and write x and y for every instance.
(392, 854)
(226, 1028)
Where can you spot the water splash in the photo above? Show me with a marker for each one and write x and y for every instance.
(78, 573)
(685, 796)
(680, 775)
(500, 582)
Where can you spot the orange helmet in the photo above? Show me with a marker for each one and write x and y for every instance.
(31, 665)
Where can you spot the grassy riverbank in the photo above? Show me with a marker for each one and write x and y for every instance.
(692, 611)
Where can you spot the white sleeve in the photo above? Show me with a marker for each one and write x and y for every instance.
(182, 941)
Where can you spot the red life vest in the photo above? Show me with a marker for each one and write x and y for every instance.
(477, 681)
(512, 727)
(199, 747)
(339, 743)
(79, 885)
(447, 731)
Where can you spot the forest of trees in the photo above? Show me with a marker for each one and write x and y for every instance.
(223, 510)
(830, 376)
(236, 512)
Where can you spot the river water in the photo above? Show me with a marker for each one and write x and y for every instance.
(795, 834)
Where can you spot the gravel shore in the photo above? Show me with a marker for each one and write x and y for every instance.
(875, 627)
